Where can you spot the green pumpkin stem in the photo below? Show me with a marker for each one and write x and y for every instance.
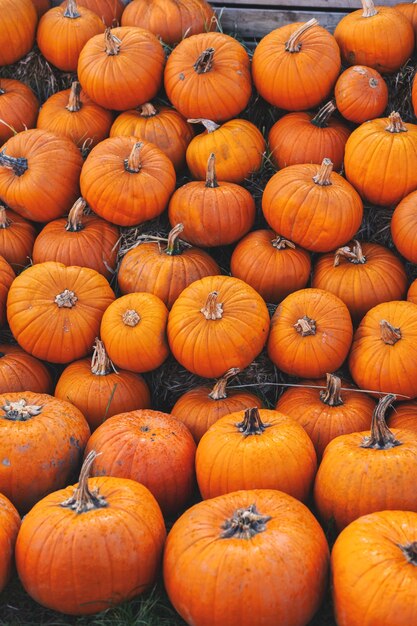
(204, 62)
(396, 125)
(369, 9)
(74, 102)
(75, 216)
(353, 255)
(389, 334)
(305, 326)
(111, 43)
(132, 163)
(281, 244)
(83, 500)
(322, 118)
(219, 390)
(20, 411)
(212, 310)
(322, 177)
(251, 423)
(71, 10)
(209, 125)
(410, 549)
(100, 361)
(211, 179)
(19, 165)
(147, 110)
(331, 395)
(381, 438)
(244, 524)
(293, 44)
(173, 245)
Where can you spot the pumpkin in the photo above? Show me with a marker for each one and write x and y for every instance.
(362, 275)
(367, 471)
(71, 113)
(122, 71)
(381, 160)
(151, 447)
(133, 330)
(326, 413)
(99, 390)
(272, 265)
(79, 239)
(63, 31)
(255, 449)
(308, 138)
(41, 445)
(412, 292)
(378, 37)
(160, 125)
(9, 527)
(18, 108)
(213, 213)
(41, 6)
(312, 206)
(28, 183)
(165, 272)
(17, 29)
(374, 565)
(216, 323)
(20, 371)
(237, 144)
(7, 277)
(404, 227)
(384, 350)
(54, 311)
(171, 20)
(261, 548)
(404, 416)
(109, 11)
(103, 524)
(202, 406)
(294, 67)
(208, 76)
(126, 181)
(17, 237)
(361, 94)
(311, 333)
(409, 10)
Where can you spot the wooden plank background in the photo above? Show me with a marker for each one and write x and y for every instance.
(310, 4)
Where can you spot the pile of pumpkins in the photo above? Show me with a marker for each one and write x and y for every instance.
(105, 154)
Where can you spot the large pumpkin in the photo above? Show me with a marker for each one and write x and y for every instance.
(216, 323)
(108, 525)
(17, 29)
(18, 108)
(361, 94)
(290, 52)
(261, 548)
(17, 237)
(9, 527)
(109, 11)
(54, 311)
(20, 371)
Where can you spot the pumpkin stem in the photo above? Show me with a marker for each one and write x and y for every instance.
(322, 177)
(211, 179)
(389, 334)
(66, 299)
(82, 499)
(373, 82)
(4, 220)
(111, 43)
(396, 125)
(19, 165)
(20, 411)
(410, 550)
(381, 438)
(251, 423)
(147, 110)
(212, 310)
(74, 222)
(72, 10)
(322, 118)
(244, 524)
(209, 125)
(173, 246)
(132, 163)
(305, 326)
(100, 362)
(353, 255)
(74, 102)
(368, 8)
(204, 62)
(280, 243)
(2, 91)
(131, 318)
(331, 396)
(293, 44)
(219, 390)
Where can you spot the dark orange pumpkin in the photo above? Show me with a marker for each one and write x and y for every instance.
(19, 371)
(404, 416)
(17, 237)
(109, 11)
(404, 227)
(18, 108)
(7, 276)
(361, 94)
(412, 292)
(9, 527)
(41, 6)
(409, 10)
(17, 29)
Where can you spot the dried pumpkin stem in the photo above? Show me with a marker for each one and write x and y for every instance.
(211, 179)
(100, 362)
(212, 310)
(20, 411)
(72, 10)
(66, 299)
(83, 499)
(209, 125)
(389, 334)
(74, 102)
(19, 165)
(322, 118)
(381, 438)
(173, 246)
(410, 549)
(2, 91)
(131, 318)
(353, 255)
(147, 110)
(396, 125)
(281, 244)
(368, 8)
(4, 220)
(244, 524)
(111, 43)
(331, 396)
(219, 390)
(132, 163)
(251, 423)
(322, 177)
(204, 62)
(305, 326)
(293, 44)
(373, 82)
(75, 221)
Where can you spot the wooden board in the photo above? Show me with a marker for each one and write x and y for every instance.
(297, 4)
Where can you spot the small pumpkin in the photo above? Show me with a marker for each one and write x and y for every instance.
(151, 447)
(361, 94)
(17, 29)
(412, 292)
(108, 525)
(20, 371)
(404, 227)
(7, 277)
(9, 527)
(99, 390)
(109, 11)
(17, 237)
(18, 108)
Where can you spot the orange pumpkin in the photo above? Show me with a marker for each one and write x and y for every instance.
(361, 94)
(311, 333)
(7, 277)
(109, 11)
(404, 416)
(18, 108)
(202, 406)
(216, 323)
(409, 10)
(54, 311)
(17, 237)
(151, 447)
(17, 29)
(9, 527)
(412, 292)
(312, 206)
(20, 371)
(404, 227)
(99, 390)
(201, 70)
(41, 6)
